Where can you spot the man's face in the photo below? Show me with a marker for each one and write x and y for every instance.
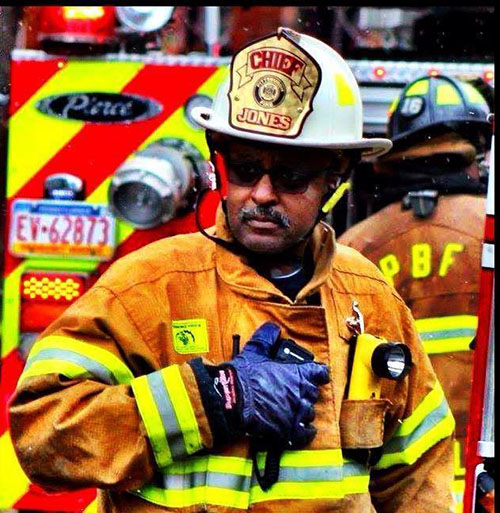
(275, 192)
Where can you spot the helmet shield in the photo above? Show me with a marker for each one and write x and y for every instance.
(273, 84)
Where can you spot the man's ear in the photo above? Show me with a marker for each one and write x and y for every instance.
(346, 162)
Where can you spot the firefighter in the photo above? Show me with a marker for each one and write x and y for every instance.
(141, 389)
(427, 231)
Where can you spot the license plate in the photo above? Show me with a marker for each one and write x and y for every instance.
(50, 228)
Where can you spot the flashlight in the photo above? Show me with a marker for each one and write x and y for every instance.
(375, 358)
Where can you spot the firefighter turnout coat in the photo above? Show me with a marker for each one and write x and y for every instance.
(434, 264)
(107, 398)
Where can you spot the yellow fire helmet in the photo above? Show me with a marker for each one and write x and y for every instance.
(293, 89)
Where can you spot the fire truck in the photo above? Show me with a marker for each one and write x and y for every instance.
(104, 157)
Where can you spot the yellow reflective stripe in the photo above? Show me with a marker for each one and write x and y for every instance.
(48, 135)
(411, 453)
(447, 334)
(11, 311)
(447, 345)
(430, 402)
(345, 95)
(430, 422)
(447, 322)
(102, 356)
(213, 463)
(393, 105)
(307, 458)
(206, 480)
(183, 408)
(356, 484)
(13, 481)
(458, 493)
(311, 490)
(152, 421)
(446, 94)
(53, 366)
(418, 88)
(190, 497)
(473, 95)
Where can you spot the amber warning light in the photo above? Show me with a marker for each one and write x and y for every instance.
(44, 296)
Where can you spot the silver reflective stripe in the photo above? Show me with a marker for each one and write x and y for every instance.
(488, 256)
(242, 483)
(167, 413)
(400, 443)
(451, 333)
(216, 479)
(351, 469)
(306, 474)
(98, 370)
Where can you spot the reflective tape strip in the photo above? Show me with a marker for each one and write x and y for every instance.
(212, 479)
(13, 481)
(94, 368)
(446, 94)
(488, 256)
(314, 482)
(312, 458)
(418, 88)
(400, 443)
(228, 481)
(184, 413)
(447, 334)
(430, 422)
(72, 358)
(167, 414)
(430, 402)
(172, 431)
(473, 95)
(44, 367)
(152, 421)
(393, 105)
(411, 453)
(345, 95)
(201, 495)
(458, 494)
(216, 479)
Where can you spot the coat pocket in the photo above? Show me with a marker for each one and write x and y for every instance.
(362, 423)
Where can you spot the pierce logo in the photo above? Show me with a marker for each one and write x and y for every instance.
(273, 83)
(98, 107)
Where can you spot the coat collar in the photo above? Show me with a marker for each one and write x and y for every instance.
(234, 270)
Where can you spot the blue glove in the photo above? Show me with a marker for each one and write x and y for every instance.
(277, 398)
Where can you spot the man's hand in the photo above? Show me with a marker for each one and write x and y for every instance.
(276, 399)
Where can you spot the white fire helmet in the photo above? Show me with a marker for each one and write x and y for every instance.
(292, 89)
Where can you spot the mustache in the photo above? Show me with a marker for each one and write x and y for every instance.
(265, 213)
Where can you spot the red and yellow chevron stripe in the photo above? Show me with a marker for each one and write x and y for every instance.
(40, 145)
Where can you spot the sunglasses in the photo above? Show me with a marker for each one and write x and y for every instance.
(283, 179)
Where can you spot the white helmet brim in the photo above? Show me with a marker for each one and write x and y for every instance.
(371, 147)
